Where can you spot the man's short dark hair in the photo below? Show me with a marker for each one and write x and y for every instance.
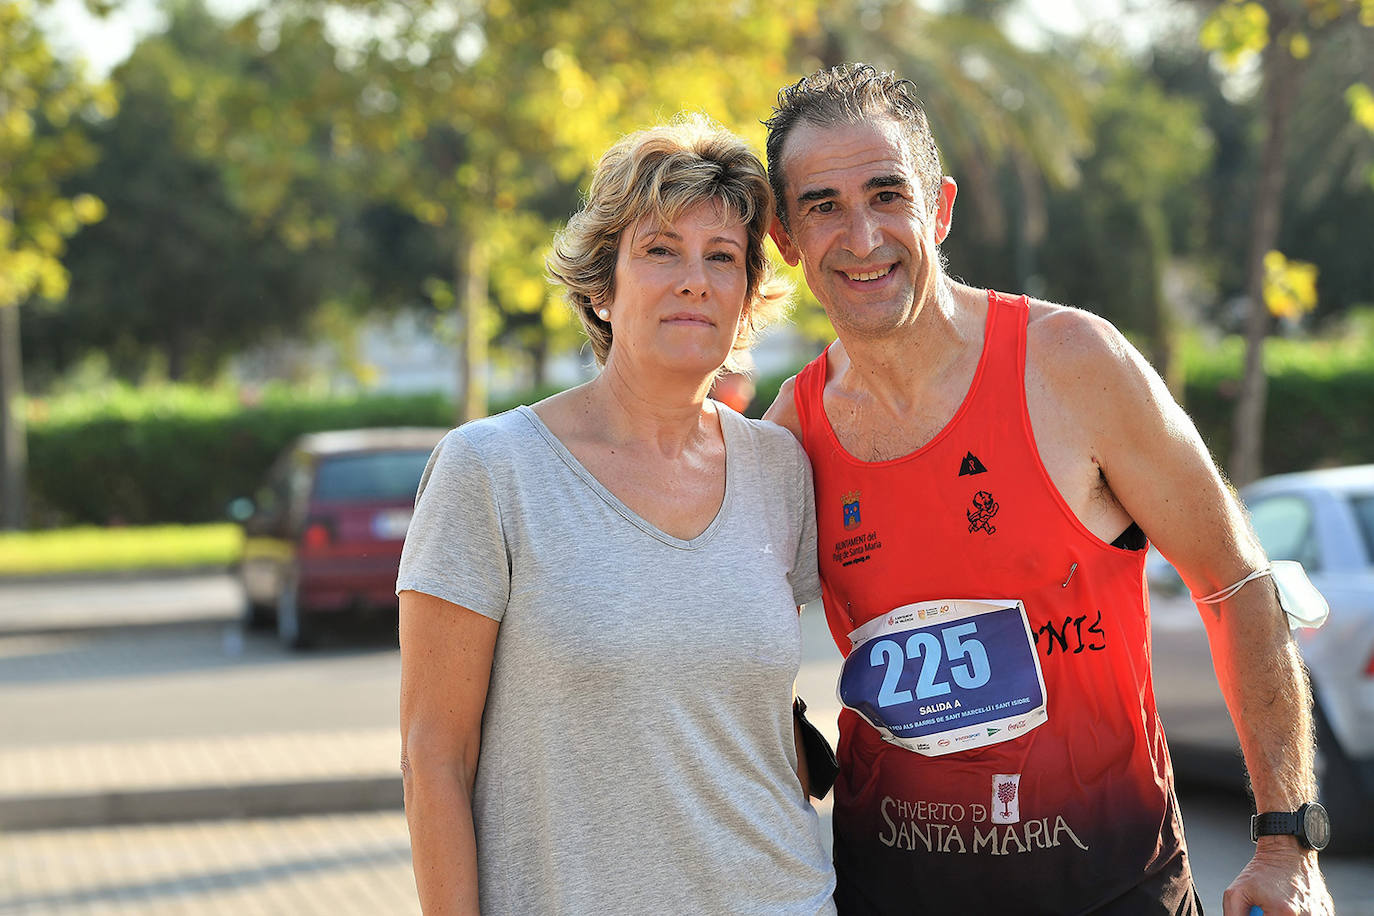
(852, 94)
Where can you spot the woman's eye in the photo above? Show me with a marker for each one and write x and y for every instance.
(723, 256)
(659, 250)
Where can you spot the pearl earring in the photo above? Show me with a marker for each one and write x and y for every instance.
(604, 314)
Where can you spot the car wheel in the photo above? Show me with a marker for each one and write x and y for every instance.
(257, 616)
(292, 631)
(1342, 792)
(253, 615)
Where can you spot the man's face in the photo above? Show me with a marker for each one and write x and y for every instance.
(861, 224)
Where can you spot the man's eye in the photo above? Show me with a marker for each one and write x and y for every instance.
(887, 197)
(824, 206)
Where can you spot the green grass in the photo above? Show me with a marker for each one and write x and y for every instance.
(92, 549)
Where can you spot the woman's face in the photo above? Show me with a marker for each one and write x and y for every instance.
(679, 293)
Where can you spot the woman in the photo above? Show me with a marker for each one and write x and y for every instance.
(599, 628)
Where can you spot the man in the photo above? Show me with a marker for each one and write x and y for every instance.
(987, 469)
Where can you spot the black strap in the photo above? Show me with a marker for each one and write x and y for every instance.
(820, 756)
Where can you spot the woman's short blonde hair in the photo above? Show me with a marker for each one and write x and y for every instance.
(661, 173)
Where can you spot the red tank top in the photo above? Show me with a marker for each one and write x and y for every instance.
(1089, 821)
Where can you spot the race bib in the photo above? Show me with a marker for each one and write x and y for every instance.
(946, 676)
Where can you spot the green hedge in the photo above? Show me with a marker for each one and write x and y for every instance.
(179, 455)
(1320, 408)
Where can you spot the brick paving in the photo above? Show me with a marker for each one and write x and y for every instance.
(331, 865)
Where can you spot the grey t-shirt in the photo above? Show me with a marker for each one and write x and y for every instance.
(637, 751)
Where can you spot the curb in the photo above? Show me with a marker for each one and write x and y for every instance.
(278, 799)
(91, 626)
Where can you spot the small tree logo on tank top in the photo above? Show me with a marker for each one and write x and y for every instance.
(981, 515)
(850, 502)
(1006, 798)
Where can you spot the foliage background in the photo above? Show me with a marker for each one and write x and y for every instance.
(182, 453)
(287, 172)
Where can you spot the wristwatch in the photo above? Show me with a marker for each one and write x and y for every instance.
(1309, 824)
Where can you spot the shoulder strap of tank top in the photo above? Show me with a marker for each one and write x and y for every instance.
(1004, 363)
(808, 393)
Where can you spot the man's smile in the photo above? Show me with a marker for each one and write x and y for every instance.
(876, 273)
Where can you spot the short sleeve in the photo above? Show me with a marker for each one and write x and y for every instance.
(455, 548)
(804, 577)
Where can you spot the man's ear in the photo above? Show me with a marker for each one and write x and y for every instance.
(944, 210)
(784, 242)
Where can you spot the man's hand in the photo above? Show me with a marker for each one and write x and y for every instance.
(1281, 881)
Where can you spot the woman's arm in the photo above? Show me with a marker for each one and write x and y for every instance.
(446, 654)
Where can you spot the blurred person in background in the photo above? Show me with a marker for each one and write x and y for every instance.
(987, 470)
(599, 593)
(735, 388)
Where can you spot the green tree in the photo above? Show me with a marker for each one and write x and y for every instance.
(1140, 204)
(480, 121)
(996, 108)
(1328, 200)
(177, 276)
(1284, 33)
(40, 102)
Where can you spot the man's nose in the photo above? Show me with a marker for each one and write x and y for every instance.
(862, 235)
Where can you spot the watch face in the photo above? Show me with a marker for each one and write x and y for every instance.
(1316, 825)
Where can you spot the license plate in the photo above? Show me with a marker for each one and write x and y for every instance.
(391, 525)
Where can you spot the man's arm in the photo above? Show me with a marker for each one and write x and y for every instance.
(1156, 466)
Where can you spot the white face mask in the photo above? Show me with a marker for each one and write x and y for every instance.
(1301, 601)
(1298, 597)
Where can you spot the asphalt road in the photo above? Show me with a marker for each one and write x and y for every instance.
(165, 678)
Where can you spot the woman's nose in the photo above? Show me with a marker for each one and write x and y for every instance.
(694, 281)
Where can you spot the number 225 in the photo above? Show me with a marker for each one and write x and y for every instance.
(969, 674)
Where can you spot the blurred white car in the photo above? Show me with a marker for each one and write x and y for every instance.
(1325, 520)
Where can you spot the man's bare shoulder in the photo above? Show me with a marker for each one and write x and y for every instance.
(1073, 335)
(783, 410)
(1072, 351)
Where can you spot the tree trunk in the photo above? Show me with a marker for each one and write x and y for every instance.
(13, 449)
(471, 279)
(539, 360)
(1281, 74)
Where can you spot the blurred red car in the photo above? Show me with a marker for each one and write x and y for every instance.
(323, 534)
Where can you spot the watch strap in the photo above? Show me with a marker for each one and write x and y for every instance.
(1274, 823)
